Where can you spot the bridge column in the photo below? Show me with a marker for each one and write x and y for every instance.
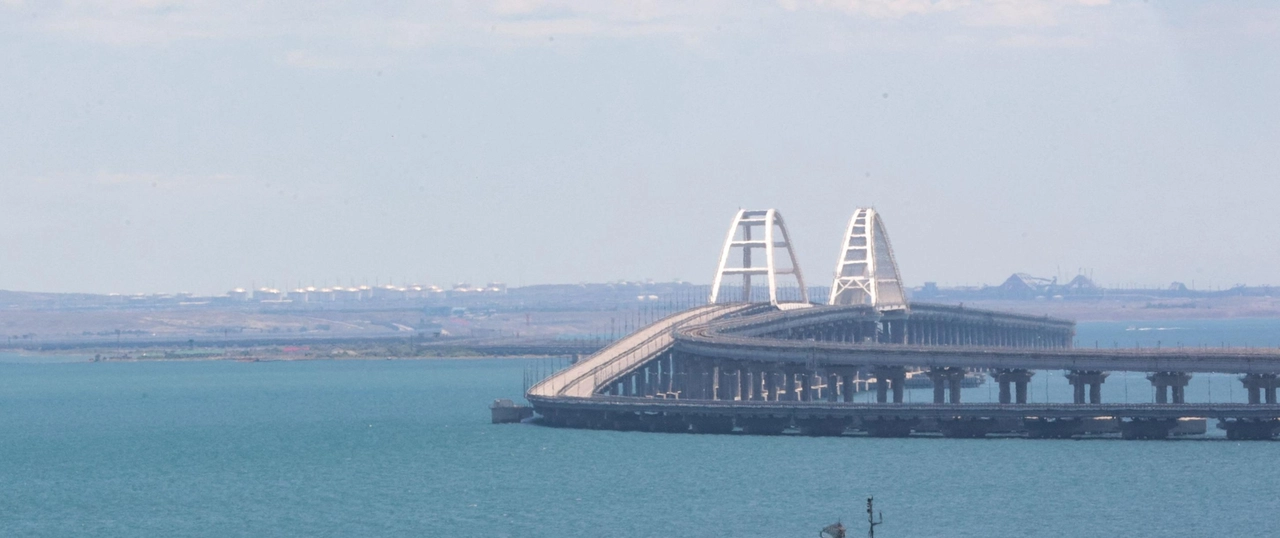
(1261, 386)
(1177, 381)
(668, 374)
(1020, 388)
(806, 386)
(847, 386)
(939, 379)
(677, 378)
(890, 377)
(946, 379)
(702, 384)
(717, 386)
(773, 380)
(688, 373)
(1087, 380)
(1016, 377)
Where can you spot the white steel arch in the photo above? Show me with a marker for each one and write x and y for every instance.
(866, 273)
(744, 235)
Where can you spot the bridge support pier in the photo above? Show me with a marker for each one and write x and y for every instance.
(791, 380)
(1170, 382)
(966, 429)
(755, 385)
(1089, 381)
(847, 387)
(1261, 386)
(717, 376)
(711, 424)
(1143, 428)
(806, 386)
(664, 423)
(946, 379)
(822, 427)
(888, 426)
(1062, 428)
(1250, 429)
(890, 377)
(773, 385)
(764, 425)
(1016, 377)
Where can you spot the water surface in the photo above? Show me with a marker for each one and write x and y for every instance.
(404, 448)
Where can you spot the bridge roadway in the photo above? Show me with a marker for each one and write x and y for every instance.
(736, 339)
(585, 378)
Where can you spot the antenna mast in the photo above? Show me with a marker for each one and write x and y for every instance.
(871, 520)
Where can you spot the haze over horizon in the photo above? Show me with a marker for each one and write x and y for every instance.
(163, 146)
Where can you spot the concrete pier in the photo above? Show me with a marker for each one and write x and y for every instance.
(946, 381)
(1013, 384)
(504, 411)
(1042, 428)
(1087, 383)
(890, 377)
(1147, 428)
(888, 427)
(822, 427)
(1250, 430)
(764, 425)
(1260, 387)
(1170, 383)
(967, 428)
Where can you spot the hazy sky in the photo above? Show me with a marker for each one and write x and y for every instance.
(154, 145)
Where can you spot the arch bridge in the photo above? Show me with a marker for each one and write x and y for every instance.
(778, 366)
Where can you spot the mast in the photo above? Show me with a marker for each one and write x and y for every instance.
(871, 519)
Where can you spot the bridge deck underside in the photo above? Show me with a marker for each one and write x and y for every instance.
(916, 411)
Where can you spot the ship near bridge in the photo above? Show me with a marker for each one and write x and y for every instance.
(760, 358)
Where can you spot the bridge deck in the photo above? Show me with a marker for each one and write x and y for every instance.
(587, 376)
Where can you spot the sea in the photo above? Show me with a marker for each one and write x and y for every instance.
(359, 448)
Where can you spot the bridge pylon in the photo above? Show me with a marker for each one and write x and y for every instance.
(754, 232)
(866, 273)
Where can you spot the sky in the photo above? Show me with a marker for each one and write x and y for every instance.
(164, 146)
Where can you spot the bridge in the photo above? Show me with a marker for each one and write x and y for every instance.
(752, 361)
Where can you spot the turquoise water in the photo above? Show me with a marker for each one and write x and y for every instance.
(404, 448)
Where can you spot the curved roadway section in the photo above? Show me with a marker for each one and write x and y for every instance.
(585, 378)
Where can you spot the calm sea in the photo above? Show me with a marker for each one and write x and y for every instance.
(404, 448)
